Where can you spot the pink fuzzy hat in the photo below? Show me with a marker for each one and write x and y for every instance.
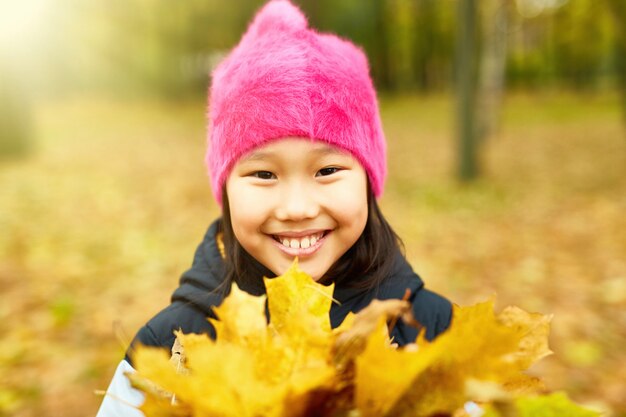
(284, 79)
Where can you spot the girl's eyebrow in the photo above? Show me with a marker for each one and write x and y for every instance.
(328, 150)
(256, 156)
(321, 151)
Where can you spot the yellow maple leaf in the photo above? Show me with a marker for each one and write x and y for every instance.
(252, 368)
(477, 346)
(384, 373)
(296, 301)
(534, 329)
(241, 319)
(241, 390)
(352, 336)
(300, 323)
(157, 379)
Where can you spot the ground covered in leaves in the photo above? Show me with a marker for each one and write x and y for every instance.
(98, 223)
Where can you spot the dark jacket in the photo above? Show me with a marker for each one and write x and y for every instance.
(198, 292)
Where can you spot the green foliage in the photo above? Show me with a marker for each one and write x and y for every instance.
(169, 48)
(554, 405)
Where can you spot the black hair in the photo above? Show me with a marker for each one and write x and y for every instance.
(365, 265)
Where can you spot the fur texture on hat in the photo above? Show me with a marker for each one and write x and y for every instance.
(284, 79)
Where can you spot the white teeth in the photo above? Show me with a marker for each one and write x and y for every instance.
(297, 243)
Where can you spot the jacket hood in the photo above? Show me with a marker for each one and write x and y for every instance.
(201, 285)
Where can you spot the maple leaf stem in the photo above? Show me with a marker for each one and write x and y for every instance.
(394, 321)
(322, 293)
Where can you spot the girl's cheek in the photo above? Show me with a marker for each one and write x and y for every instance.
(243, 192)
(250, 196)
(350, 197)
(249, 205)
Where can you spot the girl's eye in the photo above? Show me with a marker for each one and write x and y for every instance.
(263, 175)
(327, 171)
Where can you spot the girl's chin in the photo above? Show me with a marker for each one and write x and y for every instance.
(313, 270)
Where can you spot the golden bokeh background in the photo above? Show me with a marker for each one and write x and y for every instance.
(104, 195)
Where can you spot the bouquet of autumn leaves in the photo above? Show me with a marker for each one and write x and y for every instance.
(296, 365)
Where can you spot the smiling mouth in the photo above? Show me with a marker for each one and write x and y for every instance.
(300, 242)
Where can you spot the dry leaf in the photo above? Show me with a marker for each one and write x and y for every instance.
(351, 342)
(534, 329)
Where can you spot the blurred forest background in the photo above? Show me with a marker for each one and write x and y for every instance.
(505, 122)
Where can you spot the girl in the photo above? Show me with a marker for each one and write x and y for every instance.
(297, 159)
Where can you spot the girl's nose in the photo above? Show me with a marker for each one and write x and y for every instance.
(297, 202)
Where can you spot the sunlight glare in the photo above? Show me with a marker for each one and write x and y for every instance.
(22, 22)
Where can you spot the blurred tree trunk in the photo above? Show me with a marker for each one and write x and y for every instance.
(466, 90)
(401, 25)
(495, 17)
(618, 10)
(380, 64)
(425, 42)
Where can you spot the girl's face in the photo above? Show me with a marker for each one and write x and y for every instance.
(297, 197)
